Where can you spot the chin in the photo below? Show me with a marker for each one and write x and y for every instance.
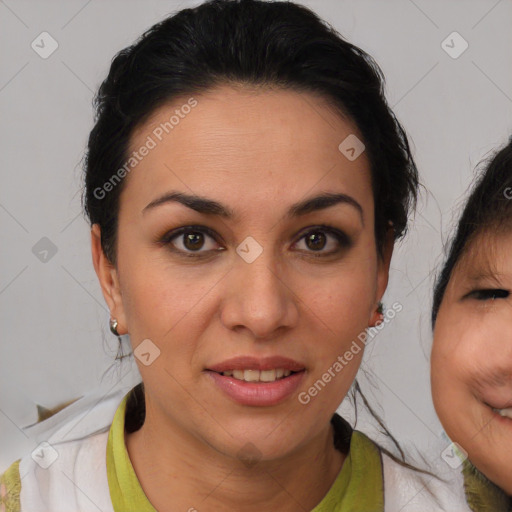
(492, 455)
(258, 440)
(497, 467)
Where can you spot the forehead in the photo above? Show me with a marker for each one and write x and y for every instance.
(488, 256)
(258, 143)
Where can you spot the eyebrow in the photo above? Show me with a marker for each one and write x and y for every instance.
(486, 276)
(211, 207)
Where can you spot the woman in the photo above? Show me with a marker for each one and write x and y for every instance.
(245, 183)
(472, 350)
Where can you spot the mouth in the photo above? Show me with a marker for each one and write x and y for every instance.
(497, 397)
(257, 381)
(503, 409)
(254, 369)
(248, 375)
(504, 413)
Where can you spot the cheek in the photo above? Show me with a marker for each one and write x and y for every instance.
(155, 293)
(453, 356)
(464, 350)
(447, 360)
(466, 347)
(158, 298)
(345, 304)
(342, 291)
(336, 312)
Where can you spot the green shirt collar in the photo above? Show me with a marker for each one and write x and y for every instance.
(358, 486)
(481, 494)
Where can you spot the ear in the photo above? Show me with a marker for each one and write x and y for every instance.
(384, 261)
(108, 278)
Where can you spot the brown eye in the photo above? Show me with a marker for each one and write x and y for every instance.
(325, 241)
(316, 240)
(191, 241)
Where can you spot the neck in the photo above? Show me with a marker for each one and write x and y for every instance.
(178, 471)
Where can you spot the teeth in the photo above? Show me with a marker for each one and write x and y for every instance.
(267, 375)
(257, 375)
(506, 413)
(251, 375)
(238, 374)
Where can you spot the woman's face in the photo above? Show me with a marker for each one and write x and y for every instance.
(472, 358)
(257, 283)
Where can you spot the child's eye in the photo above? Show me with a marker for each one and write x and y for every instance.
(488, 294)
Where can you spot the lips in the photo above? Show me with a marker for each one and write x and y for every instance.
(261, 364)
(497, 399)
(267, 381)
(498, 405)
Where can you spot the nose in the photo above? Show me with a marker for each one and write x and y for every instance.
(259, 298)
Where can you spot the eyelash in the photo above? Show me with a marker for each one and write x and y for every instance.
(344, 241)
(488, 294)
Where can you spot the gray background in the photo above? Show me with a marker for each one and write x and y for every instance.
(55, 343)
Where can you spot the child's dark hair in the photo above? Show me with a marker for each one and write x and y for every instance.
(489, 207)
(246, 42)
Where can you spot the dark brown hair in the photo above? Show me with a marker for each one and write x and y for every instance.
(245, 42)
(489, 207)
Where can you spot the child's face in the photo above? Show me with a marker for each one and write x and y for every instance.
(472, 357)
